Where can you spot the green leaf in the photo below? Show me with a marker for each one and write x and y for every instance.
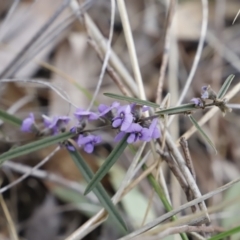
(226, 233)
(34, 146)
(10, 118)
(99, 190)
(179, 109)
(109, 162)
(225, 87)
(204, 135)
(130, 99)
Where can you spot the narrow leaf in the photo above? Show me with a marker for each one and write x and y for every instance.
(10, 118)
(204, 135)
(225, 234)
(109, 162)
(99, 190)
(130, 99)
(34, 146)
(225, 87)
(180, 109)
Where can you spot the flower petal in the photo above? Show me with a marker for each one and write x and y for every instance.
(119, 136)
(88, 148)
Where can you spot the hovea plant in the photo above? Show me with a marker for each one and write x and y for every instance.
(131, 125)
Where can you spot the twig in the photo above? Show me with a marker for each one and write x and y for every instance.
(114, 76)
(114, 60)
(50, 85)
(12, 228)
(107, 56)
(25, 175)
(165, 51)
(75, 186)
(5, 73)
(236, 17)
(210, 113)
(131, 47)
(198, 54)
(181, 229)
(168, 215)
(184, 144)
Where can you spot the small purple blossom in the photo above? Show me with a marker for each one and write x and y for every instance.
(104, 109)
(55, 123)
(28, 123)
(119, 136)
(154, 131)
(82, 114)
(197, 101)
(123, 119)
(205, 94)
(88, 142)
(137, 132)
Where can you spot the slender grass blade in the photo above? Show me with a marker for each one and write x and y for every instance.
(130, 99)
(109, 162)
(204, 135)
(175, 110)
(99, 190)
(34, 146)
(225, 87)
(10, 118)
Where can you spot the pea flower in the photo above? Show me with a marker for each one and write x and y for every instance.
(197, 101)
(28, 123)
(137, 132)
(88, 142)
(55, 124)
(104, 109)
(154, 132)
(82, 114)
(123, 119)
(208, 93)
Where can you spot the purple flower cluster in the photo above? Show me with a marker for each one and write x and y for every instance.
(127, 119)
(206, 93)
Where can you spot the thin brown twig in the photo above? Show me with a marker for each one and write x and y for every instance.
(25, 175)
(165, 51)
(75, 186)
(182, 229)
(111, 72)
(184, 144)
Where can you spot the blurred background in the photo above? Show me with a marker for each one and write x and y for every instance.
(67, 55)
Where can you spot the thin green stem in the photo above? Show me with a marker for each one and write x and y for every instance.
(162, 197)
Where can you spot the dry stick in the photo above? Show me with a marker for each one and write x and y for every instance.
(186, 172)
(10, 222)
(8, 16)
(210, 113)
(75, 186)
(184, 144)
(5, 72)
(177, 173)
(131, 47)
(198, 53)
(182, 229)
(27, 174)
(165, 51)
(114, 60)
(101, 216)
(168, 215)
(75, 7)
(50, 85)
(136, 69)
(114, 76)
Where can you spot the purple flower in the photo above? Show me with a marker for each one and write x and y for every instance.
(82, 114)
(119, 136)
(28, 123)
(197, 101)
(55, 123)
(123, 119)
(154, 130)
(104, 109)
(88, 142)
(137, 132)
(205, 94)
